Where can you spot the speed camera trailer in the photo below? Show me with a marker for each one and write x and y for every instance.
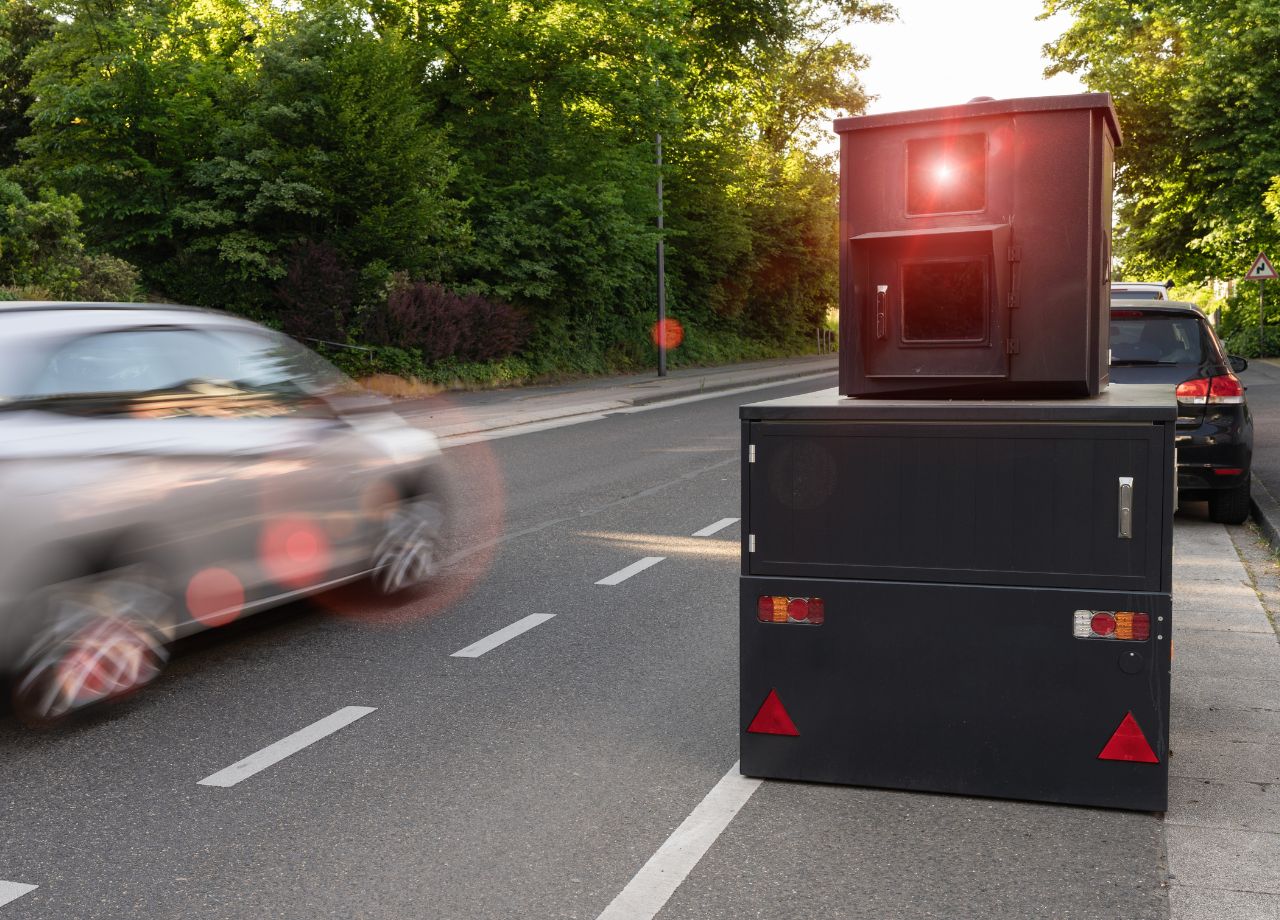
(976, 248)
(957, 566)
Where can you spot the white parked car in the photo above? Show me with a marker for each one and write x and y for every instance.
(1140, 290)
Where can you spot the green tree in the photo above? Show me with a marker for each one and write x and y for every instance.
(1195, 82)
(42, 252)
(40, 240)
(23, 27)
(331, 144)
(126, 99)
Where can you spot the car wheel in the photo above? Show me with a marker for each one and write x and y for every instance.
(99, 641)
(1230, 506)
(406, 554)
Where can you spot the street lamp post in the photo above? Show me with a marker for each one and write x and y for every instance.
(662, 275)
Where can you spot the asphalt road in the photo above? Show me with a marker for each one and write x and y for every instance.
(532, 781)
(1262, 390)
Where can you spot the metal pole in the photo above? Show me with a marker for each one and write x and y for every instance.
(662, 277)
(1262, 322)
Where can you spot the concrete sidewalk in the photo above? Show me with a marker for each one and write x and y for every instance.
(456, 415)
(1223, 822)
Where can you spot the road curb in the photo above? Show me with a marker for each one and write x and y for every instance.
(718, 385)
(1266, 512)
(619, 398)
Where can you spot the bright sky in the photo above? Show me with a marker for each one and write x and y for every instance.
(944, 52)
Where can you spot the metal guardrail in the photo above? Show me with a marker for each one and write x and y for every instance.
(827, 342)
(307, 338)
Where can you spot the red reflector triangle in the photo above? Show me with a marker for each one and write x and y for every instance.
(1129, 743)
(772, 719)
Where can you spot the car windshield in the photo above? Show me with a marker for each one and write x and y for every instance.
(151, 359)
(1157, 338)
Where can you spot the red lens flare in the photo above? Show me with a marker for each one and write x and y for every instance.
(475, 492)
(294, 552)
(215, 596)
(668, 333)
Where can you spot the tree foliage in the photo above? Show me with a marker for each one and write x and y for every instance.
(1195, 83)
(327, 164)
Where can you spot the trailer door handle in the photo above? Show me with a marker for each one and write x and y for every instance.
(882, 293)
(1126, 507)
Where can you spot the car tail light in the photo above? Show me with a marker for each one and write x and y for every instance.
(1226, 390)
(809, 611)
(1105, 624)
(1193, 391)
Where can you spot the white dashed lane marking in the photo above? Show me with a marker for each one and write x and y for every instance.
(11, 891)
(716, 527)
(492, 641)
(636, 567)
(659, 878)
(274, 753)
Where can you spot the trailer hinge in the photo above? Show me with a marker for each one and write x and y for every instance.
(751, 543)
(1015, 256)
(1011, 346)
(751, 453)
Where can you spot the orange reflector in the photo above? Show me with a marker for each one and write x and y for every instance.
(1129, 743)
(772, 719)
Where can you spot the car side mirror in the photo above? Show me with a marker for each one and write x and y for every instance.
(1237, 363)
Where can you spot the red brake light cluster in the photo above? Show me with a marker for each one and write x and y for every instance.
(1105, 624)
(1224, 390)
(809, 611)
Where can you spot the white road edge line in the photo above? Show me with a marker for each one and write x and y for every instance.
(274, 753)
(492, 641)
(659, 878)
(716, 527)
(623, 574)
(11, 891)
(462, 440)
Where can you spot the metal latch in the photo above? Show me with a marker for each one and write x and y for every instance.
(882, 294)
(1126, 507)
(751, 543)
(751, 453)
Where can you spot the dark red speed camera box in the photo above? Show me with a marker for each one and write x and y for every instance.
(976, 249)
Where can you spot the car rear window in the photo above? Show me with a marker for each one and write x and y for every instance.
(1158, 338)
(1136, 295)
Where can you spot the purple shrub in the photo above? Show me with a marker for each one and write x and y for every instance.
(494, 329)
(442, 324)
(316, 294)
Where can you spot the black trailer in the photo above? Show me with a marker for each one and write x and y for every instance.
(960, 596)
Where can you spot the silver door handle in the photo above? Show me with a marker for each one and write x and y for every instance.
(882, 294)
(1126, 507)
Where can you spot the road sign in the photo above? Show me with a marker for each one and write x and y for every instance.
(1262, 269)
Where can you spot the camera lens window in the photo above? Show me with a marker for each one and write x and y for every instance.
(944, 301)
(946, 175)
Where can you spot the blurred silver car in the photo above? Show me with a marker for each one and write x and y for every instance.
(167, 469)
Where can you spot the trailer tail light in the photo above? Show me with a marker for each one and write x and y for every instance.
(809, 611)
(1225, 390)
(1105, 624)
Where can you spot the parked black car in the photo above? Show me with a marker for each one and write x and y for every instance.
(1170, 342)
